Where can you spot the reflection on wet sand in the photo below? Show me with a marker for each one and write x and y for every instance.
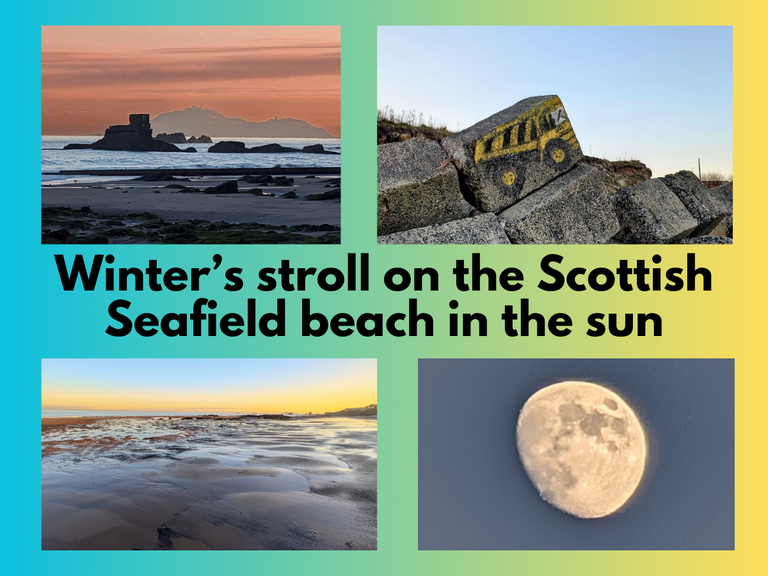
(209, 483)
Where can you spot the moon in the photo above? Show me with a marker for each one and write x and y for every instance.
(583, 448)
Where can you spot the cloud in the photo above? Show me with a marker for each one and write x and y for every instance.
(80, 69)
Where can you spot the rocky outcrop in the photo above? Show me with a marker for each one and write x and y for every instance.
(175, 138)
(234, 147)
(227, 187)
(203, 139)
(332, 194)
(136, 136)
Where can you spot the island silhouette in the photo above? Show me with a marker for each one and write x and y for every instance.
(202, 120)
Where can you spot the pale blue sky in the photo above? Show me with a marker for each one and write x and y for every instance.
(663, 95)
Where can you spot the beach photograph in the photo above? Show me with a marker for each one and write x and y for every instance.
(525, 150)
(191, 135)
(209, 454)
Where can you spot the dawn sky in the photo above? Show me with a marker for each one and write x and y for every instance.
(94, 76)
(208, 385)
(662, 95)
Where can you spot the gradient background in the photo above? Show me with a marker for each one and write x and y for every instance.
(41, 321)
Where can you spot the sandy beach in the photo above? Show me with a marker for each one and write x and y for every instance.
(98, 210)
(209, 483)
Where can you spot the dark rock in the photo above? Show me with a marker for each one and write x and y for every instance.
(200, 140)
(482, 229)
(227, 187)
(649, 213)
(133, 137)
(86, 210)
(257, 179)
(233, 147)
(282, 181)
(272, 149)
(416, 186)
(514, 152)
(697, 199)
(158, 177)
(290, 194)
(175, 138)
(78, 146)
(56, 236)
(571, 209)
(190, 149)
(228, 147)
(330, 195)
(317, 149)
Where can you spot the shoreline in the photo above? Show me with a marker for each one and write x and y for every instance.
(209, 482)
(181, 210)
(53, 422)
(288, 171)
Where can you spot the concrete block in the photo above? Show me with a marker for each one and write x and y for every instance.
(416, 186)
(708, 240)
(514, 152)
(649, 213)
(572, 209)
(482, 229)
(697, 200)
(724, 195)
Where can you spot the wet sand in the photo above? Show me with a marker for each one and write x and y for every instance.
(209, 483)
(123, 197)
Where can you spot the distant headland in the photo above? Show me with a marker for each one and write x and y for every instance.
(201, 120)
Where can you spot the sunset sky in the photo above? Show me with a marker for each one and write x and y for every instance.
(208, 385)
(94, 76)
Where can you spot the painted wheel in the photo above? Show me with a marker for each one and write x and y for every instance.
(557, 154)
(512, 180)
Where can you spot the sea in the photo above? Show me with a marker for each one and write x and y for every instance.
(54, 158)
(104, 413)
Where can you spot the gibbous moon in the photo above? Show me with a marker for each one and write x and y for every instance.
(583, 448)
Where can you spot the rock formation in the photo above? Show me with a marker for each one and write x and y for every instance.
(522, 171)
(234, 147)
(136, 136)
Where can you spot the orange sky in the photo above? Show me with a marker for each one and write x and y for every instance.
(94, 76)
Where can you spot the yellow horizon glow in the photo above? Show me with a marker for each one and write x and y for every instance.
(259, 386)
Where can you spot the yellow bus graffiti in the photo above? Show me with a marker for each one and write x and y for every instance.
(532, 130)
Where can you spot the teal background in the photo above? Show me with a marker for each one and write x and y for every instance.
(41, 321)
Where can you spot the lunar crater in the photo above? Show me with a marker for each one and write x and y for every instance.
(582, 446)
